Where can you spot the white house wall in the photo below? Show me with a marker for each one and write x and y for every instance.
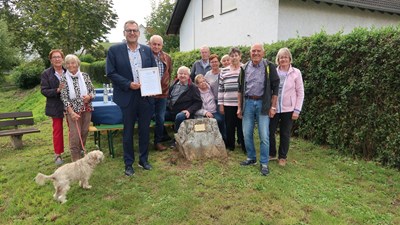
(240, 27)
(299, 18)
(268, 21)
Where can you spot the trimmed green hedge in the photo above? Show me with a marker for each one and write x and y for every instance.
(96, 70)
(351, 91)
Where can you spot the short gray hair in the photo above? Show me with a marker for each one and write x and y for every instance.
(72, 57)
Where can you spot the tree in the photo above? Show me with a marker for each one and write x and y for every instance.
(8, 53)
(157, 23)
(71, 25)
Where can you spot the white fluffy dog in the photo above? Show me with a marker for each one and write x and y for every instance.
(80, 170)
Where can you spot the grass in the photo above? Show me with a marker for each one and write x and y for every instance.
(318, 186)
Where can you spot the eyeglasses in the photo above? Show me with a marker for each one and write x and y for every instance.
(56, 57)
(131, 31)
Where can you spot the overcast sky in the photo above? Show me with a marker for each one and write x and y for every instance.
(128, 10)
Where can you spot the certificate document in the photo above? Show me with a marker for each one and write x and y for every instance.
(149, 81)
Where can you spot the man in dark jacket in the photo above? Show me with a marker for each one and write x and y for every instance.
(183, 100)
(201, 66)
(123, 63)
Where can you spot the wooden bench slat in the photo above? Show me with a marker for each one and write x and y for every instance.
(15, 115)
(18, 131)
(17, 122)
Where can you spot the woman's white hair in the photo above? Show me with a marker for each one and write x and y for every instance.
(72, 57)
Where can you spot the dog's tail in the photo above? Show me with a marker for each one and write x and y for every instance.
(41, 178)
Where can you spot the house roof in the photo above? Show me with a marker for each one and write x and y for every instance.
(388, 6)
(177, 16)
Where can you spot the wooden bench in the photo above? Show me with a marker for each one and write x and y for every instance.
(9, 126)
(111, 130)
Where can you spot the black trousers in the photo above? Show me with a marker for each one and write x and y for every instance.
(232, 123)
(285, 122)
(140, 109)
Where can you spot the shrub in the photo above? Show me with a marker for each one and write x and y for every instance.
(98, 71)
(87, 58)
(27, 75)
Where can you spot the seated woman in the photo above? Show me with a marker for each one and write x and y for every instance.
(77, 96)
(183, 100)
(209, 107)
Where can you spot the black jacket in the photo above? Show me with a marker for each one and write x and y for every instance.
(49, 84)
(189, 100)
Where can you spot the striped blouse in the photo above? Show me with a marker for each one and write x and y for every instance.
(228, 87)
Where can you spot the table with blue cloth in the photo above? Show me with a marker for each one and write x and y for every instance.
(99, 90)
(99, 97)
(106, 117)
(106, 113)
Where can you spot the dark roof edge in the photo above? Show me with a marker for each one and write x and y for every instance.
(178, 14)
(361, 5)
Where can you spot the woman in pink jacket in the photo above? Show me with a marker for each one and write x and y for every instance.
(290, 101)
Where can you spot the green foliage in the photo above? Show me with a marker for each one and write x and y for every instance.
(69, 25)
(98, 52)
(87, 58)
(8, 53)
(157, 23)
(27, 75)
(96, 70)
(351, 97)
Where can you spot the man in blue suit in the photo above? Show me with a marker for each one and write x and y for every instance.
(123, 63)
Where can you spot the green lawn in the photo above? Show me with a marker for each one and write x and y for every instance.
(318, 186)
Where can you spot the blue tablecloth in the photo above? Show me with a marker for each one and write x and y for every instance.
(99, 90)
(99, 97)
(106, 113)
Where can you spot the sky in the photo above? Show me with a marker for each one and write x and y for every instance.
(128, 10)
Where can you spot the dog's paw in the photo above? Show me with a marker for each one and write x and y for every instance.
(62, 199)
(87, 187)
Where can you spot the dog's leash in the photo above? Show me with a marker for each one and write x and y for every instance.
(80, 136)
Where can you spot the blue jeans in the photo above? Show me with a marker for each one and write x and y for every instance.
(160, 106)
(178, 118)
(252, 114)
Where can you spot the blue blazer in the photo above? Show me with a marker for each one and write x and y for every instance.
(119, 71)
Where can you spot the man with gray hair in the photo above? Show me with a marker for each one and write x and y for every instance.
(257, 99)
(164, 64)
(201, 66)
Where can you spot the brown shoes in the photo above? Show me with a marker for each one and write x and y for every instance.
(160, 147)
(282, 162)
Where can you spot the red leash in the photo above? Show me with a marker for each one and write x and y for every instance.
(80, 136)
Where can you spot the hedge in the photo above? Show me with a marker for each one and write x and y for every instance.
(351, 91)
(96, 70)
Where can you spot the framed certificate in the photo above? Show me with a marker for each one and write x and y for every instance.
(149, 79)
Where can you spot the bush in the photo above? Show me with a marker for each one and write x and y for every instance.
(87, 58)
(96, 70)
(27, 75)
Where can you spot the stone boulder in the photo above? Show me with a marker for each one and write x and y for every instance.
(200, 139)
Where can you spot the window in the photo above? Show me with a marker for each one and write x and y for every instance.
(208, 9)
(227, 6)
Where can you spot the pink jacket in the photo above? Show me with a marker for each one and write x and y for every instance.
(292, 92)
